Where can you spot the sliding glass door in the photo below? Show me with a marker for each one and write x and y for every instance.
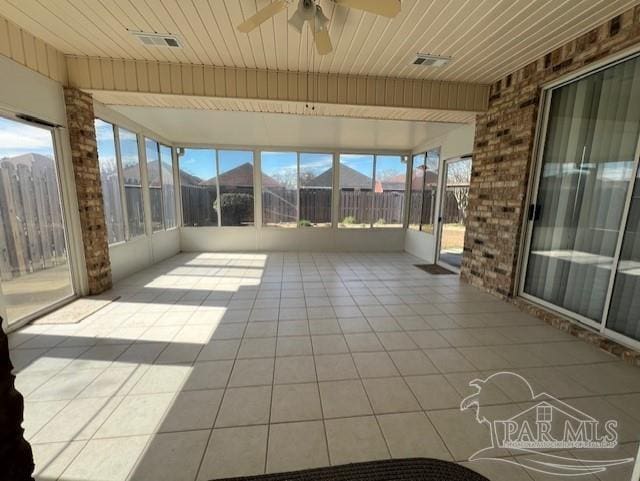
(34, 262)
(587, 170)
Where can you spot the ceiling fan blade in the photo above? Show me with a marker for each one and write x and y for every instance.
(262, 16)
(322, 40)
(386, 8)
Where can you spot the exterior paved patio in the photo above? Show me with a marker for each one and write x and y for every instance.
(217, 365)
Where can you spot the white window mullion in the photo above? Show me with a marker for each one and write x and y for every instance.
(123, 197)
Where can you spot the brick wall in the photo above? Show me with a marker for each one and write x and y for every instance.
(86, 170)
(503, 151)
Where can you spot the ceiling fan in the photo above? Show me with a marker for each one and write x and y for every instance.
(309, 11)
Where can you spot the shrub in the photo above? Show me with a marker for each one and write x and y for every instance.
(236, 208)
(380, 222)
(304, 223)
(349, 220)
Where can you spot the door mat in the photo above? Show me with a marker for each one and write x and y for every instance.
(434, 269)
(417, 469)
(77, 310)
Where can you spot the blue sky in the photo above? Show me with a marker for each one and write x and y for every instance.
(202, 162)
(17, 138)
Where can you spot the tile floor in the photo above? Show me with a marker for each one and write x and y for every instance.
(218, 365)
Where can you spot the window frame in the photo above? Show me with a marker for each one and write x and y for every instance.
(175, 197)
(436, 199)
(146, 163)
(128, 236)
(159, 146)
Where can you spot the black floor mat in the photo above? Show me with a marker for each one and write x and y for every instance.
(417, 469)
(434, 269)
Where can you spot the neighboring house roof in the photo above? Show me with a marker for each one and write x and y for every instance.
(348, 177)
(241, 176)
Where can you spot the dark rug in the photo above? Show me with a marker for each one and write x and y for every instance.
(434, 269)
(422, 469)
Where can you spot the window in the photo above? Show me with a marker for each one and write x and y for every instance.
(388, 196)
(424, 188)
(279, 188)
(236, 187)
(417, 187)
(132, 181)
(110, 180)
(432, 163)
(356, 190)
(198, 187)
(154, 173)
(316, 188)
(168, 188)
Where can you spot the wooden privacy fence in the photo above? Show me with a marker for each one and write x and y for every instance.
(32, 232)
(367, 206)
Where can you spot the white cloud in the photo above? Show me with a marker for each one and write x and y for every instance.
(17, 138)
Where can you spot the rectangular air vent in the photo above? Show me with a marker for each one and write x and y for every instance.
(157, 39)
(426, 60)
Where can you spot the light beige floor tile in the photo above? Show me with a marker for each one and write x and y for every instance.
(295, 402)
(37, 414)
(252, 372)
(390, 395)
(192, 410)
(412, 363)
(329, 344)
(461, 432)
(295, 369)
(364, 342)
(294, 446)
(332, 367)
(318, 327)
(449, 360)
(235, 452)
(171, 457)
(79, 420)
(396, 341)
(293, 328)
(136, 415)
(52, 459)
(106, 459)
(217, 350)
(353, 440)
(294, 346)
(208, 375)
(162, 378)
(434, 392)
(344, 399)
(374, 364)
(264, 347)
(65, 385)
(411, 435)
(245, 406)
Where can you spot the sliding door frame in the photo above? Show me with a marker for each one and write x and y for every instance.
(532, 197)
(72, 262)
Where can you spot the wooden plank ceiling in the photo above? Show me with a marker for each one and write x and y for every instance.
(487, 39)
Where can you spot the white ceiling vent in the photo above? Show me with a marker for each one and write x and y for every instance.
(157, 39)
(426, 60)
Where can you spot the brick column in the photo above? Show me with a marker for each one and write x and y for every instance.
(503, 152)
(84, 155)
